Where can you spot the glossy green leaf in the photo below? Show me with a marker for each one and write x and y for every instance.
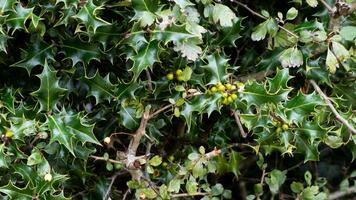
(37, 54)
(49, 92)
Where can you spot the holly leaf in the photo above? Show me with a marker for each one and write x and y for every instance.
(17, 18)
(275, 180)
(217, 67)
(223, 14)
(291, 57)
(49, 92)
(17, 193)
(7, 5)
(100, 88)
(7, 99)
(128, 117)
(88, 16)
(145, 57)
(189, 48)
(67, 128)
(229, 35)
(3, 157)
(22, 127)
(175, 33)
(301, 106)
(78, 51)
(258, 94)
(145, 11)
(3, 40)
(37, 54)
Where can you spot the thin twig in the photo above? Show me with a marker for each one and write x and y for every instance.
(113, 178)
(149, 80)
(263, 17)
(238, 122)
(263, 175)
(327, 6)
(189, 195)
(328, 102)
(108, 160)
(339, 194)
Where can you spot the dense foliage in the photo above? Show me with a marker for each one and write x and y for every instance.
(189, 99)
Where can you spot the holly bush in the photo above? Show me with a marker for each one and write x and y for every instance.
(180, 99)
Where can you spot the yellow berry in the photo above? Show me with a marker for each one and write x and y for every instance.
(230, 100)
(9, 133)
(234, 96)
(228, 86)
(278, 130)
(107, 140)
(48, 177)
(221, 88)
(285, 127)
(180, 78)
(218, 83)
(233, 87)
(224, 94)
(225, 101)
(240, 85)
(214, 89)
(170, 76)
(179, 72)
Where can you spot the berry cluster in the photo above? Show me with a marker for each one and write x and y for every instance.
(228, 91)
(280, 127)
(178, 75)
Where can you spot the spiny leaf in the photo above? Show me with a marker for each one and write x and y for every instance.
(301, 106)
(189, 48)
(100, 88)
(68, 128)
(217, 65)
(79, 51)
(49, 92)
(257, 94)
(144, 58)
(88, 16)
(229, 35)
(37, 54)
(17, 19)
(145, 11)
(223, 14)
(17, 193)
(7, 5)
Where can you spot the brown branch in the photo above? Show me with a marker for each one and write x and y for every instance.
(339, 194)
(189, 195)
(149, 80)
(263, 17)
(238, 122)
(135, 141)
(327, 6)
(331, 106)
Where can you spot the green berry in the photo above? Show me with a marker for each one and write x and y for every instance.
(278, 130)
(224, 94)
(230, 100)
(234, 96)
(180, 78)
(221, 88)
(170, 76)
(285, 127)
(179, 72)
(233, 87)
(228, 86)
(213, 89)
